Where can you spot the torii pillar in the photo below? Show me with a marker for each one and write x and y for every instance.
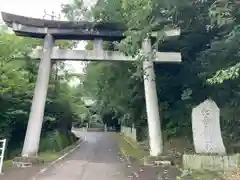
(151, 100)
(39, 28)
(32, 138)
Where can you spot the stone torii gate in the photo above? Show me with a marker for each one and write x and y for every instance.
(51, 30)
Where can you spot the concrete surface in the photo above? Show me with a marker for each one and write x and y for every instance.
(90, 55)
(96, 159)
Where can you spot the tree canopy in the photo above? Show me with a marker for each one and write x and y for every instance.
(209, 46)
(17, 78)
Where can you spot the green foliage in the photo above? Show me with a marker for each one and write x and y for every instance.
(13, 74)
(76, 11)
(130, 148)
(225, 61)
(18, 75)
(56, 141)
(209, 43)
(16, 89)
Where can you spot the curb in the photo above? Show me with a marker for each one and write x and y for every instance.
(123, 151)
(129, 142)
(132, 145)
(57, 160)
(125, 156)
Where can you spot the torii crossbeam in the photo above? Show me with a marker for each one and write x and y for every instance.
(98, 32)
(92, 55)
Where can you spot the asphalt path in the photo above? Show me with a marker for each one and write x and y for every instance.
(98, 158)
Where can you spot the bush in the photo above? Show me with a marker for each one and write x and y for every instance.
(56, 141)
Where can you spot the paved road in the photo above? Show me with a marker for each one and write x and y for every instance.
(96, 159)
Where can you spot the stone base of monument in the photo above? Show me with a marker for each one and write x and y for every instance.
(24, 162)
(211, 162)
(163, 161)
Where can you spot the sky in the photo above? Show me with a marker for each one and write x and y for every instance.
(32, 8)
(35, 9)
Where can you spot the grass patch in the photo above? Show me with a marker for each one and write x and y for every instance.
(7, 164)
(201, 175)
(207, 175)
(131, 148)
(49, 156)
(238, 160)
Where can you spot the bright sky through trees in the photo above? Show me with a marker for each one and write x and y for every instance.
(35, 9)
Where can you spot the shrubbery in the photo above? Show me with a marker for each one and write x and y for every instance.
(17, 81)
(56, 141)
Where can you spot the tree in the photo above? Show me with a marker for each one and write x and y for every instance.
(17, 78)
(208, 43)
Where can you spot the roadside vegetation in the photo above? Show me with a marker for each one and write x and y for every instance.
(17, 79)
(209, 44)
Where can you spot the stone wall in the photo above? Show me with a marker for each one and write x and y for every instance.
(129, 132)
(210, 162)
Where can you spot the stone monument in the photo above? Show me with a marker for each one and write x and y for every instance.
(206, 128)
(210, 150)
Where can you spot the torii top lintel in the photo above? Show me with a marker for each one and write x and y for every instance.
(83, 30)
